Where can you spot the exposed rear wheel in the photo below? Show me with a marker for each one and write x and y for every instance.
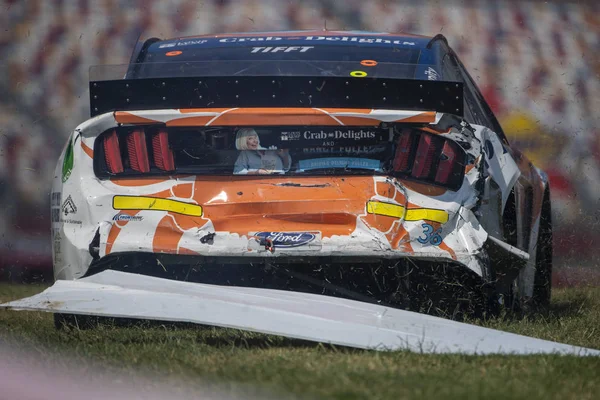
(542, 289)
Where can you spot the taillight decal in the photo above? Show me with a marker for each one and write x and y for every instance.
(429, 158)
(447, 164)
(112, 153)
(402, 157)
(138, 153)
(424, 157)
(163, 156)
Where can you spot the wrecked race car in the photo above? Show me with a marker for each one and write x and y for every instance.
(358, 165)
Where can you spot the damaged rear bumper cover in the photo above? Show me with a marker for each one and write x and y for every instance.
(296, 315)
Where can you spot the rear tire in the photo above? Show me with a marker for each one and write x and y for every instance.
(542, 289)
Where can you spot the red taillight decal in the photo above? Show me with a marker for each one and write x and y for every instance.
(402, 156)
(112, 153)
(424, 158)
(138, 153)
(163, 156)
(446, 165)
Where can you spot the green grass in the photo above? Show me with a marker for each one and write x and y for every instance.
(282, 365)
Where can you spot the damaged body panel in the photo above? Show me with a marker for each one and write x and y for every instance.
(297, 315)
(364, 198)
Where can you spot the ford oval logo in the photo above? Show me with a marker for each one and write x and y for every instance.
(286, 239)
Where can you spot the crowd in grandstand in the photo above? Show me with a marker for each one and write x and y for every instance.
(536, 63)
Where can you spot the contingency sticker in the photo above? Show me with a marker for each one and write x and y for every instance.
(339, 162)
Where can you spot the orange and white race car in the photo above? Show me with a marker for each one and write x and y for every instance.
(361, 165)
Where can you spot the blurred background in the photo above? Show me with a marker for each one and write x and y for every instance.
(536, 62)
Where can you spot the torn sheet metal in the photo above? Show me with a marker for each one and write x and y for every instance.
(297, 315)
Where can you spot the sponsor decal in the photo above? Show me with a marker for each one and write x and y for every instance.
(339, 162)
(270, 39)
(67, 166)
(349, 134)
(432, 74)
(55, 214)
(71, 221)
(284, 49)
(285, 239)
(345, 150)
(250, 39)
(69, 207)
(339, 134)
(126, 217)
(55, 199)
(57, 239)
(183, 43)
(351, 39)
(289, 136)
(355, 39)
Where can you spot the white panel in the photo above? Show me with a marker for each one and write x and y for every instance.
(298, 315)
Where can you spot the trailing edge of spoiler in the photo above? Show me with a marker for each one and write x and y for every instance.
(280, 91)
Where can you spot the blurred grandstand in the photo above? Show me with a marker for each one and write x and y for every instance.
(536, 63)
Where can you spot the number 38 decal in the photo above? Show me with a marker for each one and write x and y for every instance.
(430, 235)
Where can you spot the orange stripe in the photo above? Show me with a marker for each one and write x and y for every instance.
(445, 247)
(167, 236)
(272, 116)
(261, 116)
(425, 189)
(425, 117)
(431, 130)
(112, 236)
(397, 236)
(183, 190)
(87, 150)
(359, 121)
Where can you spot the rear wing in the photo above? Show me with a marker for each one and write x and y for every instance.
(275, 91)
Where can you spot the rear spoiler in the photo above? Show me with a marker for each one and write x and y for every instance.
(280, 91)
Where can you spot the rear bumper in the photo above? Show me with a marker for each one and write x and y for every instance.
(394, 282)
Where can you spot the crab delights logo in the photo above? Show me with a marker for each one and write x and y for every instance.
(349, 134)
(286, 239)
(125, 217)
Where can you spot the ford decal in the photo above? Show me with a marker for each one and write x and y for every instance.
(286, 239)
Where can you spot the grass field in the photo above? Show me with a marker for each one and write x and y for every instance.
(284, 366)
